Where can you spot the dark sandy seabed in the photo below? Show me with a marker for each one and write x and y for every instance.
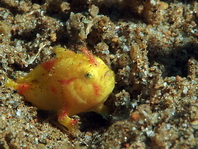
(151, 45)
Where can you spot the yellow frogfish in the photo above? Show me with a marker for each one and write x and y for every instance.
(69, 84)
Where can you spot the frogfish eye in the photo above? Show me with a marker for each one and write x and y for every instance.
(88, 75)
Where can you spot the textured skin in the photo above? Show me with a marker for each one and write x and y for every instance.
(69, 84)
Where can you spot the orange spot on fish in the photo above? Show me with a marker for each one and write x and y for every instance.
(62, 115)
(22, 88)
(63, 112)
(54, 90)
(90, 56)
(49, 64)
(66, 82)
(73, 122)
(96, 88)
